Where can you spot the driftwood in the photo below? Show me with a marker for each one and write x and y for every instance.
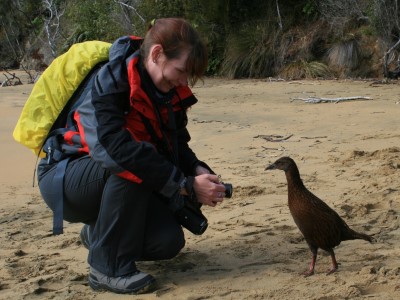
(331, 100)
(274, 149)
(13, 79)
(32, 78)
(10, 81)
(274, 138)
(314, 137)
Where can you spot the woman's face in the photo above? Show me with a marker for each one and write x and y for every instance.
(167, 74)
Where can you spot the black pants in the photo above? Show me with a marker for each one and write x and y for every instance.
(128, 223)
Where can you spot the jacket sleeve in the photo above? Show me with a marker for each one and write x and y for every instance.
(101, 120)
(187, 158)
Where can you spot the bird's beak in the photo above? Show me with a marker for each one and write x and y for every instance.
(270, 167)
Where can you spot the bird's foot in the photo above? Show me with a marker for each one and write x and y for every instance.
(308, 273)
(331, 271)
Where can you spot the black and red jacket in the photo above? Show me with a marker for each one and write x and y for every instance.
(123, 123)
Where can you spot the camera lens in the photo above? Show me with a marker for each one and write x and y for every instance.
(228, 190)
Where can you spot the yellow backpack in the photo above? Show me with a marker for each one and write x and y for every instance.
(58, 84)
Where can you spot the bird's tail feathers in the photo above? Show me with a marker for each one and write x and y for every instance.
(354, 235)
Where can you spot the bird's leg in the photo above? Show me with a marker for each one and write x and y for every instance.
(313, 261)
(334, 263)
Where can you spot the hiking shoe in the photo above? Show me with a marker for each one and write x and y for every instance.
(134, 283)
(85, 236)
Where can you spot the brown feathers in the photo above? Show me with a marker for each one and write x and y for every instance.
(320, 225)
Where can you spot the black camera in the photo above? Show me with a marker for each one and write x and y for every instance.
(191, 217)
(228, 190)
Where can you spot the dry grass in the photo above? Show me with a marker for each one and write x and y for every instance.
(305, 70)
(250, 52)
(345, 54)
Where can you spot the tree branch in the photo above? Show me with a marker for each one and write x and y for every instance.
(279, 15)
(132, 8)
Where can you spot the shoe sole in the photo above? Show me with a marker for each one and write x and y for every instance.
(144, 288)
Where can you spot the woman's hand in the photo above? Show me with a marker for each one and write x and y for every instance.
(208, 189)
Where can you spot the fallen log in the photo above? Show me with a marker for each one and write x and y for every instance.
(330, 100)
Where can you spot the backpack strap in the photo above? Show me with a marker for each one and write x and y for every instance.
(58, 197)
(54, 154)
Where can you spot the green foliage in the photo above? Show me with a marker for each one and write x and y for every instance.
(37, 24)
(250, 51)
(153, 9)
(211, 23)
(209, 17)
(15, 28)
(243, 11)
(255, 38)
(368, 30)
(310, 8)
(93, 19)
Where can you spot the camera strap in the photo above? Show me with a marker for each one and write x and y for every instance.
(174, 137)
(163, 144)
(167, 146)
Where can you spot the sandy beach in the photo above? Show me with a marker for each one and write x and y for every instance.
(348, 154)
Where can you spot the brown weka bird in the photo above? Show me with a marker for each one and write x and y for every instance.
(320, 225)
